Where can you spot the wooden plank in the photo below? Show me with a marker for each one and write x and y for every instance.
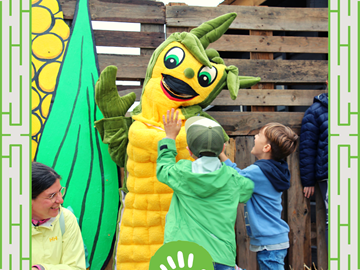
(262, 43)
(267, 56)
(243, 158)
(322, 250)
(245, 258)
(129, 39)
(313, 234)
(283, 71)
(281, 44)
(149, 28)
(130, 88)
(242, 2)
(248, 97)
(252, 18)
(125, 11)
(176, 4)
(130, 67)
(271, 71)
(249, 123)
(230, 149)
(268, 97)
(284, 215)
(176, 29)
(298, 218)
(170, 30)
(307, 233)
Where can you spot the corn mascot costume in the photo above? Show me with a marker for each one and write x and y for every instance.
(183, 75)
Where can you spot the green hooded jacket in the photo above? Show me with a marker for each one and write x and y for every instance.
(204, 206)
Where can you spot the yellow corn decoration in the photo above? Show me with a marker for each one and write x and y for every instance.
(50, 36)
(147, 203)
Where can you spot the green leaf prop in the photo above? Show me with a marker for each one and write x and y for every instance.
(72, 146)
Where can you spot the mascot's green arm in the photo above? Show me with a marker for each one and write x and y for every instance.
(114, 127)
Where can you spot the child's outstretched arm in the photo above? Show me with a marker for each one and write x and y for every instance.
(166, 160)
(172, 125)
(222, 155)
(228, 162)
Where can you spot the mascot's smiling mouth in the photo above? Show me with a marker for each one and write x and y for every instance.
(183, 90)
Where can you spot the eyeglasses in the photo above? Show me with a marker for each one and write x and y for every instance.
(61, 191)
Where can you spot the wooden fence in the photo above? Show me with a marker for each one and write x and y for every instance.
(256, 35)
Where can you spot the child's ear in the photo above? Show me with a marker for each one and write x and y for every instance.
(267, 148)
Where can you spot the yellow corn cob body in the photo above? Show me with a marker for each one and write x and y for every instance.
(50, 36)
(147, 203)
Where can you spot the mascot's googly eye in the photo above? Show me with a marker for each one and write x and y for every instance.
(174, 57)
(207, 76)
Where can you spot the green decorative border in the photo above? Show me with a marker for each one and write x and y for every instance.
(344, 162)
(15, 78)
(344, 250)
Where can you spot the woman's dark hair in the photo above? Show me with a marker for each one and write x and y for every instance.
(43, 177)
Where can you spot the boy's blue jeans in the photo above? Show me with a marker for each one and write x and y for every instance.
(271, 259)
(218, 266)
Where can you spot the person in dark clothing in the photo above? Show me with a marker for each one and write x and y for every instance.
(314, 150)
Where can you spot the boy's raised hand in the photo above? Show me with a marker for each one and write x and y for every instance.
(172, 125)
(222, 155)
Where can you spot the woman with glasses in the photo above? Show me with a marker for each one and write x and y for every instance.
(56, 236)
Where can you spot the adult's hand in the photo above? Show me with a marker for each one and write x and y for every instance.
(308, 191)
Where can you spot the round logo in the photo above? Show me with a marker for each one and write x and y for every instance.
(181, 255)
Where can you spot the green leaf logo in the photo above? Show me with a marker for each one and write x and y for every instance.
(181, 255)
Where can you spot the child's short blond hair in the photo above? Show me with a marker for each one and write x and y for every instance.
(283, 140)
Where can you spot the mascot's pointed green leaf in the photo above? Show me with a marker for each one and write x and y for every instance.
(212, 30)
(234, 82)
(71, 145)
(248, 81)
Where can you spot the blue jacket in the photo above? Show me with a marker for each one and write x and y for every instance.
(314, 142)
(264, 207)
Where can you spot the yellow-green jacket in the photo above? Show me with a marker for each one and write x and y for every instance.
(54, 251)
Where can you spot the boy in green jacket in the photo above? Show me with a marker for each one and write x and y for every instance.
(206, 192)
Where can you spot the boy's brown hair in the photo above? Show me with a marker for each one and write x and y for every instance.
(282, 139)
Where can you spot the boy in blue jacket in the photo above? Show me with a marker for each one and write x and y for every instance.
(268, 232)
